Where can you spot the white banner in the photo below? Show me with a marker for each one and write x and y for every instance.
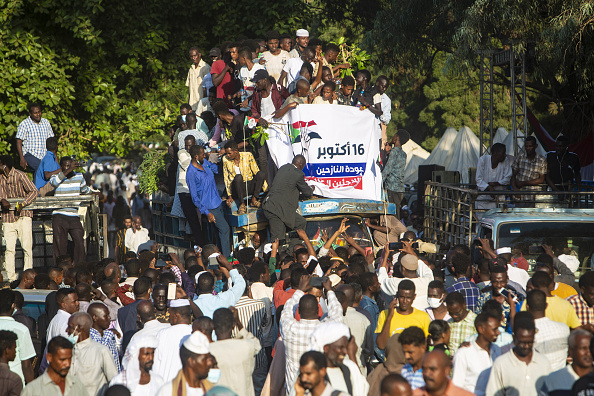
(340, 144)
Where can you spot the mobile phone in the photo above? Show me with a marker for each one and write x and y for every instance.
(317, 281)
(506, 293)
(164, 257)
(535, 249)
(171, 291)
(477, 242)
(213, 263)
(400, 245)
(160, 263)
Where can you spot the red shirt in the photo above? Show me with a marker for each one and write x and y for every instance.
(227, 86)
(521, 263)
(280, 297)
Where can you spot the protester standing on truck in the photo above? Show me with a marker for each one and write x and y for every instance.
(493, 173)
(563, 167)
(529, 170)
(393, 172)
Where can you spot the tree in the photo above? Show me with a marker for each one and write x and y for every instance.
(110, 73)
(409, 34)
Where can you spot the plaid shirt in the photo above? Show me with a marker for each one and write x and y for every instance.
(415, 379)
(17, 185)
(461, 331)
(34, 136)
(529, 170)
(469, 290)
(486, 296)
(296, 333)
(109, 340)
(584, 312)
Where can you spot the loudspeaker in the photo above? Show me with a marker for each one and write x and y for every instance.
(425, 174)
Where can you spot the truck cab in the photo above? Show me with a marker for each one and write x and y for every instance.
(568, 231)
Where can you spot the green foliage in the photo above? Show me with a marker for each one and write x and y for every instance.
(151, 170)
(112, 73)
(259, 134)
(353, 55)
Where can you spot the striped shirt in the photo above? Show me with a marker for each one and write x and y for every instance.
(69, 187)
(109, 340)
(17, 185)
(253, 317)
(34, 136)
(414, 378)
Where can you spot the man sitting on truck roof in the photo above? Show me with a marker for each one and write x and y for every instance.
(493, 173)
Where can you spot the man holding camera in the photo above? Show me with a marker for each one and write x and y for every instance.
(68, 183)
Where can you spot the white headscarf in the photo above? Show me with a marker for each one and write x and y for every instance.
(130, 363)
(328, 333)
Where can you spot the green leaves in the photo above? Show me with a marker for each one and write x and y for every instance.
(260, 134)
(151, 170)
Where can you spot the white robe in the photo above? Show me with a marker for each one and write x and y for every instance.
(167, 362)
(486, 174)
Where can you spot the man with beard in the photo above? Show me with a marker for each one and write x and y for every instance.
(68, 183)
(136, 375)
(521, 371)
(335, 341)
(56, 381)
(312, 376)
(436, 371)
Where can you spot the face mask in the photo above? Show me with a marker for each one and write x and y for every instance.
(434, 302)
(184, 118)
(72, 338)
(214, 375)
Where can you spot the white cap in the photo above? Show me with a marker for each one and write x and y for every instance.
(198, 275)
(197, 343)
(334, 279)
(503, 250)
(302, 33)
(182, 302)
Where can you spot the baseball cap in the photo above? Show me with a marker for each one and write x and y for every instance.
(214, 52)
(259, 75)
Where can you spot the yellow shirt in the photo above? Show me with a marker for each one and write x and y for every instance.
(563, 290)
(560, 310)
(400, 322)
(247, 167)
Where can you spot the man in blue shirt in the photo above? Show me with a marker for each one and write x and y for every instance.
(49, 165)
(393, 172)
(203, 189)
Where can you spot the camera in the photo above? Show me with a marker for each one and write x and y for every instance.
(400, 245)
(80, 162)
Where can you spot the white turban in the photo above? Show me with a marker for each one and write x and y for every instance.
(130, 360)
(327, 333)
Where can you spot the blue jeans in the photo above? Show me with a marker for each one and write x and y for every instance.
(223, 228)
(33, 163)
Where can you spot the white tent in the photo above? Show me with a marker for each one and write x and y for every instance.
(465, 153)
(441, 153)
(509, 144)
(415, 156)
(500, 135)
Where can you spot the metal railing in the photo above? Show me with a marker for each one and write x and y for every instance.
(452, 211)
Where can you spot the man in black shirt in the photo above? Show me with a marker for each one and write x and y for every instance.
(563, 167)
(365, 95)
(233, 125)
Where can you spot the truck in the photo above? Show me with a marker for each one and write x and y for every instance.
(563, 220)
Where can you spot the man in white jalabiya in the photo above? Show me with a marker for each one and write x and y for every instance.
(332, 339)
(493, 173)
(167, 360)
(138, 362)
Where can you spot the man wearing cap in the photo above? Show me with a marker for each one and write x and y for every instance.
(302, 40)
(343, 373)
(409, 264)
(138, 362)
(196, 364)
(515, 274)
(167, 360)
(196, 74)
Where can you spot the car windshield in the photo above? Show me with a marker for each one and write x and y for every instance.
(317, 228)
(567, 238)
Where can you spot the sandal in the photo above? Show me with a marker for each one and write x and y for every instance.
(256, 204)
(242, 209)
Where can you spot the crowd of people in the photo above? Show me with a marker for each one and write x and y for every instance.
(275, 316)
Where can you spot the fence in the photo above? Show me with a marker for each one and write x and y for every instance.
(452, 211)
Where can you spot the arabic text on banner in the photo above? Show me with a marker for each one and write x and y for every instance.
(340, 144)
